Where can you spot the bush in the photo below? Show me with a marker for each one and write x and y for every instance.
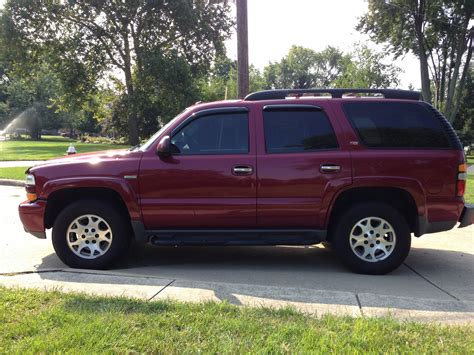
(102, 140)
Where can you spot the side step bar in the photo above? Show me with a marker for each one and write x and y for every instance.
(236, 237)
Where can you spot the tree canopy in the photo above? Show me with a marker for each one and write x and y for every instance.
(304, 68)
(101, 36)
(438, 32)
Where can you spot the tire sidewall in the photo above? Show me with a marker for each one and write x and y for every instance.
(116, 221)
(342, 238)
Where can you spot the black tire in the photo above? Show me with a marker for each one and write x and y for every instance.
(342, 241)
(119, 225)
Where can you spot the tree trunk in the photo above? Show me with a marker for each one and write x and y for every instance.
(462, 82)
(133, 137)
(34, 123)
(450, 100)
(443, 74)
(425, 77)
(419, 17)
(35, 129)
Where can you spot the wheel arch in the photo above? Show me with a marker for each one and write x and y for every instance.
(60, 198)
(399, 198)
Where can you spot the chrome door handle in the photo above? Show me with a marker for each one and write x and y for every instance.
(330, 168)
(242, 170)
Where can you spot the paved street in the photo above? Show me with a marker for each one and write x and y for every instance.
(435, 283)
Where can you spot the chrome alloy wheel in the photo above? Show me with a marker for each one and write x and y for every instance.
(89, 236)
(372, 239)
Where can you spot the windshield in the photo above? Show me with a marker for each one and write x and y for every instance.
(153, 138)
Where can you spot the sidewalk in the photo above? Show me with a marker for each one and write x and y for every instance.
(15, 163)
(309, 301)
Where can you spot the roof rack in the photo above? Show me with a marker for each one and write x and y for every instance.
(335, 93)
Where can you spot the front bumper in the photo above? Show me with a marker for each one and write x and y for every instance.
(467, 216)
(32, 217)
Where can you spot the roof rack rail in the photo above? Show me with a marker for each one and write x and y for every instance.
(335, 93)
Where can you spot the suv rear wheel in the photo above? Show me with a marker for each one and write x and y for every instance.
(372, 238)
(90, 234)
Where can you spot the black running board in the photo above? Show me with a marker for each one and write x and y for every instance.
(235, 237)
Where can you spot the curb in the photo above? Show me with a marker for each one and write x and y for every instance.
(8, 182)
(313, 302)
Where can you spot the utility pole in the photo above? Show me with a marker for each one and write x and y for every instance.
(242, 49)
(242, 46)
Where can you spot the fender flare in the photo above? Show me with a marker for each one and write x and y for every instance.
(119, 186)
(411, 186)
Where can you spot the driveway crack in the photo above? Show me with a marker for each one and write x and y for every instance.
(156, 294)
(359, 304)
(431, 282)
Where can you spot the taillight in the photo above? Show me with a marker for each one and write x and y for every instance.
(461, 181)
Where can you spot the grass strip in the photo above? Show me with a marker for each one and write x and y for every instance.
(34, 321)
(15, 173)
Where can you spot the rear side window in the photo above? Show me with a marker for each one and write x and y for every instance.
(396, 125)
(290, 130)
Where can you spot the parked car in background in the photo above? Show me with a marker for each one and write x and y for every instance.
(361, 173)
(49, 132)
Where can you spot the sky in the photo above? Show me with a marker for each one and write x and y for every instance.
(276, 25)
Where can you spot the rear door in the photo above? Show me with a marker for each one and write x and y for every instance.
(300, 165)
(210, 180)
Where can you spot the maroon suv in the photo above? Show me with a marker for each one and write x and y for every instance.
(290, 167)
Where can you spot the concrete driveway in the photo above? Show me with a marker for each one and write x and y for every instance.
(436, 283)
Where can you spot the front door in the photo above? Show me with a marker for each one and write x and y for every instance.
(299, 165)
(210, 180)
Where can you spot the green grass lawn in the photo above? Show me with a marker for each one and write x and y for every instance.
(469, 195)
(470, 159)
(47, 148)
(45, 322)
(16, 173)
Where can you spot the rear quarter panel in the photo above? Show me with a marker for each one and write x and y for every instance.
(429, 175)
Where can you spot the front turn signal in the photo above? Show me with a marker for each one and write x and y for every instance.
(31, 196)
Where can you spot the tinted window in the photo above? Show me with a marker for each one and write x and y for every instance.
(395, 125)
(214, 134)
(293, 130)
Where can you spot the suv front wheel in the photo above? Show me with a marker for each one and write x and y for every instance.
(90, 234)
(372, 238)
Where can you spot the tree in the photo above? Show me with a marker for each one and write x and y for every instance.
(437, 32)
(118, 35)
(464, 122)
(221, 82)
(364, 68)
(304, 68)
(33, 91)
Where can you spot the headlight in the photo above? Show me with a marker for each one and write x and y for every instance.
(30, 180)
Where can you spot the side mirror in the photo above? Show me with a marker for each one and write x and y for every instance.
(163, 150)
